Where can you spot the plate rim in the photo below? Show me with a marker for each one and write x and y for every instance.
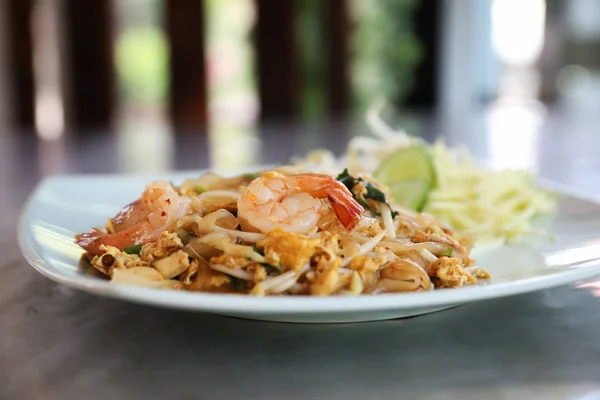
(241, 303)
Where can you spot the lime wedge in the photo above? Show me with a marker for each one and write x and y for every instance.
(410, 175)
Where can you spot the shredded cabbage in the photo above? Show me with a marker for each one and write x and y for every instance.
(489, 205)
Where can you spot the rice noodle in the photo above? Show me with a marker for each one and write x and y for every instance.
(350, 247)
(204, 247)
(428, 256)
(203, 225)
(296, 288)
(366, 247)
(358, 238)
(405, 269)
(221, 241)
(405, 211)
(236, 273)
(386, 285)
(371, 243)
(252, 237)
(388, 222)
(399, 247)
(272, 284)
(285, 285)
(417, 258)
(388, 255)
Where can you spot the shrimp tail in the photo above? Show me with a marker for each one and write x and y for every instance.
(345, 207)
(90, 241)
(140, 222)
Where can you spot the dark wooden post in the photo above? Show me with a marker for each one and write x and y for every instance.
(336, 28)
(185, 31)
(426, 22)
(90, 62)
(276, 59)
(20, 59)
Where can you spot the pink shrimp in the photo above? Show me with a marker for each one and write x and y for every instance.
(139, 222)
(292, 202)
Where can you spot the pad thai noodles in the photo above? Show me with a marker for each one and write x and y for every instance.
(279, 232)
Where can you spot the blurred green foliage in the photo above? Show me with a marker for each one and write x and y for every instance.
(141, 58)
(229, 44)
(310, 44)
(141, 52)
(383, 53)
(384, 50)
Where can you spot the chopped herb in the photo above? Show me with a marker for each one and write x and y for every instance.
(137, 249)
(347, 179)
(363, 203)
(448, 251)
(251, 176)
(258, 249)
(374, 194)
(199, 189)
(272, 268)
(395, 213)
(237, 284)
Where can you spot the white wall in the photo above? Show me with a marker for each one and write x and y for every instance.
(469, 70)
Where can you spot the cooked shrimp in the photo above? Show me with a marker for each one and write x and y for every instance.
(292, 202)
(139, 222)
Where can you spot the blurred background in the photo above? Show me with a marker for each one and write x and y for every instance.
(149, 72)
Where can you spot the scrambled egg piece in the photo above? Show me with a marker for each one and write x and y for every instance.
(368, 226)
(189, 274)
(231, 262)
(258, 271)
(356, 284)
(481, 273)
(219, 280)
(165, 245)
(115, 258)
(328, 247)
(326, 279)
(209, 280)
(450, 272)
(359, 189)
(367, 268)
(406, 228)
(287, 249)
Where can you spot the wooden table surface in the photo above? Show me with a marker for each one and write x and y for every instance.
(59, 343)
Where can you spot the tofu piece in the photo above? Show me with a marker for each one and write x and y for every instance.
(173, 265)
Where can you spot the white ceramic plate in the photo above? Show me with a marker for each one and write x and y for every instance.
(63, 206)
